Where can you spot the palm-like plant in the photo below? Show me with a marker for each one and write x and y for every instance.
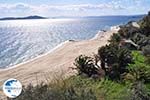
(115, 38)
(140, 73)
(124, 58)
(85, 65)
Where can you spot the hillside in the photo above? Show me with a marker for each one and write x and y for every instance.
(120, 70)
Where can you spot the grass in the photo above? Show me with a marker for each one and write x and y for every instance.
(84, 88)
(103, 89)
(77, 88)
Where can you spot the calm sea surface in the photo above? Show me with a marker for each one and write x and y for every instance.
(21, 40)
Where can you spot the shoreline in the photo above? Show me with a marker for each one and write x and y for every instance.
(56, 62)
(32, 59)
(99, 34)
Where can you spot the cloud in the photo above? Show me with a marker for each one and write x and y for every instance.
(18, 9)
(85, 7)
(22, 8)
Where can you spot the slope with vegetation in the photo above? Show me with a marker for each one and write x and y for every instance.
(120, 70)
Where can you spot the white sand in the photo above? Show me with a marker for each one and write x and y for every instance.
(56, 63)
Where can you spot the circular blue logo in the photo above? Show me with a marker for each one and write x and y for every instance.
(12, 88)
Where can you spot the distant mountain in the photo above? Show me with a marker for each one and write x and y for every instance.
(18, 18)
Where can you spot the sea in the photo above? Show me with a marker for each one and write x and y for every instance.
(22, 40)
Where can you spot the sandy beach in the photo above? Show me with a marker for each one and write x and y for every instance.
(56, 63)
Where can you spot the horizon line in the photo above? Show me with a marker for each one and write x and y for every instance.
(73, 16)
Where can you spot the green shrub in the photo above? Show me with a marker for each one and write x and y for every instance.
(139, 71)
(85, 65)
(146, 50)
(114, 60)
(141, 40)
(103, 89)
(77, 88)
(115, 38)
(55, 92)
(139, 91)
(138, 58)
(147, 60)
(127, 31)
(145, 25)
(112, 90)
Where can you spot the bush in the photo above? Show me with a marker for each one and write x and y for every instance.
(111, 90)
(85, 65)
(77, 88)
(148, 60)
(141, 40)
(127, 31)
(55, 92)
(115, 38)
(146, 50)
(139, 71)
(145, 25)
(139, 92)
(114, 60)
(103, 89)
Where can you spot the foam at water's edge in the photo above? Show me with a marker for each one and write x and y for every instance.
(99, 34)
(59, 45)
(117, 27)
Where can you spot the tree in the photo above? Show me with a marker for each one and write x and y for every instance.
(114, 60)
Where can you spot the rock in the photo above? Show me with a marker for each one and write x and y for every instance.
(135, 24)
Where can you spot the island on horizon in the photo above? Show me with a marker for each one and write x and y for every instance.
(23, 18)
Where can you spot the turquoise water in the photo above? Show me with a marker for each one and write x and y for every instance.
(21, 40)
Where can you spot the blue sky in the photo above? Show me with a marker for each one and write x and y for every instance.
(51, 8)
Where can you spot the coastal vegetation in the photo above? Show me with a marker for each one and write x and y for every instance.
(119, 71)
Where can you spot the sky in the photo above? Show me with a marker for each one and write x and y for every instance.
(53, 8)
